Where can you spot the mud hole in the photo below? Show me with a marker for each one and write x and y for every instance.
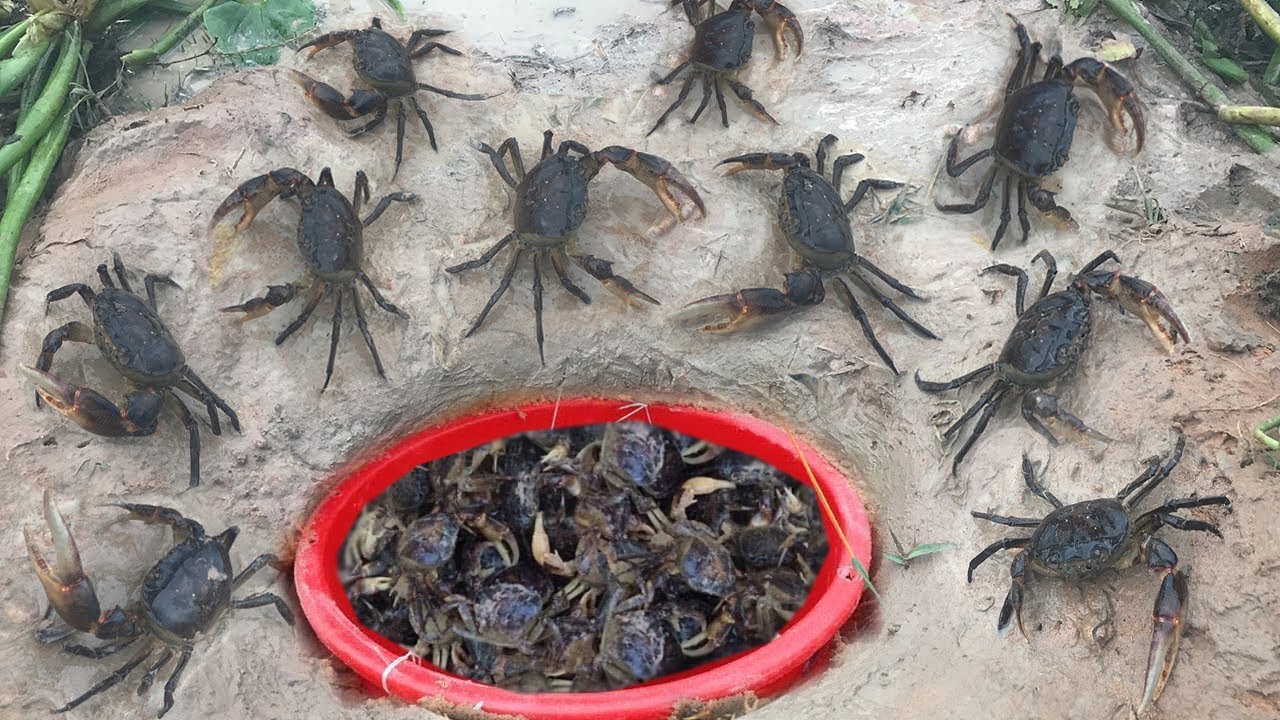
(893, 79)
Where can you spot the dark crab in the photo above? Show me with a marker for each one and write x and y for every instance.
(331, 240)
(1082, 540)
(722, 47)
(384, 64)
(1047, 340)
(550, 204)
(1034, 132)
(132, 337)
(183, 596)
(816, 224)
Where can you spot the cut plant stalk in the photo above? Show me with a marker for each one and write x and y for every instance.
(1255, 114)
(142, 56)
(23, 200)
(1255, 137)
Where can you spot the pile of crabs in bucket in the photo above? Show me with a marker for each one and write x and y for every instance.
(584, 559)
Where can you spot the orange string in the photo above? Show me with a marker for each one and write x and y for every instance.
(822, 497)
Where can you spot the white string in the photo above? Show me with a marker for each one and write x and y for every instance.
(386, 672)
(635, 408)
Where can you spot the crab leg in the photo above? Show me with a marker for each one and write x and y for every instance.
(750, 305)
(653, 171)
(1117, 95)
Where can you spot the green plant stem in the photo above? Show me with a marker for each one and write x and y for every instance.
(142, 56)
(1261, 433)
(175, 7)
(1254, 136)
(30, 91)
(15, 70)
(109, 11)
(43, 159)
(45, 108)
(1256, 114)
(9, 40)
(1267, 18)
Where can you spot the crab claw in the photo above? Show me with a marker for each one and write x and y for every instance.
(779, 20)
(1115, 92)
(1144, 300)
(655, 172)
(330, 99)
(602, 270)
(254, 194)
(1170, 604)
(68, 589)
(749, 306)
(95, 413)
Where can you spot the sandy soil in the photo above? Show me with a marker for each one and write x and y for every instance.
(893, 80)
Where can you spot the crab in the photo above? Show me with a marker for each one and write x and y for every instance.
(1084, 539)
(1046, 343)
(384, 64)
(1035, 128)
(131, 336)
(331, 240)
(551, 203)
(816, 224)
(722, 47)
(183, 596)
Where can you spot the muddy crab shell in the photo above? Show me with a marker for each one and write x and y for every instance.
(802, 648)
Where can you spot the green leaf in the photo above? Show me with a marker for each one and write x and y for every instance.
(929, 549)
(896, 559)
(395, 5)
(251, 33)
(1227, 69)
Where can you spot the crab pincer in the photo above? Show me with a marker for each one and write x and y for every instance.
(751, 306)
(1143, 300)
(1116, 94)
(658, 174)
(780, 20)
(69, 591)
(1165, 635)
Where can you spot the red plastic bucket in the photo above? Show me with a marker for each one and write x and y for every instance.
(760, 672)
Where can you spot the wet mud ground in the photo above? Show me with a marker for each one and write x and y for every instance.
(893, 80)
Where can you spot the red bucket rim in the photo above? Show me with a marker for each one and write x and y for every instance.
(763, 671)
